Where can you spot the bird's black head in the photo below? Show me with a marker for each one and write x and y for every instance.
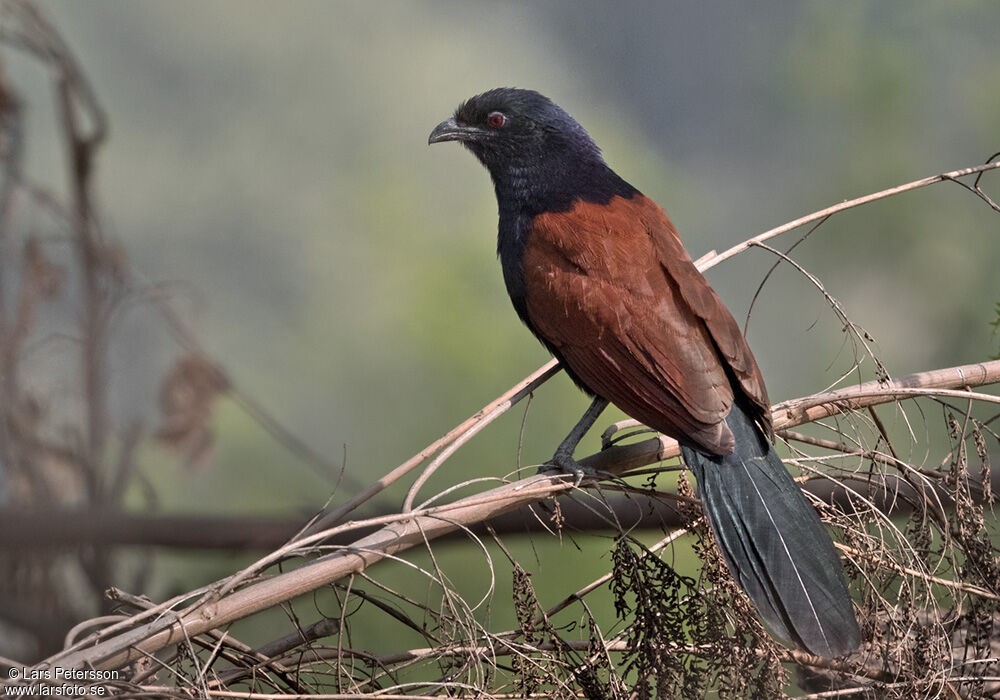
(538, 156)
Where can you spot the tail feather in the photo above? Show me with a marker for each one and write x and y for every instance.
(774, 542)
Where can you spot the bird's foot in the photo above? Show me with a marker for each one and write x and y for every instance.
(564, 462)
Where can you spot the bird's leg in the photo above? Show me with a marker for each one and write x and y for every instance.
(563, 460)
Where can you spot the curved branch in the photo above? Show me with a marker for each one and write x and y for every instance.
(952, 175)
(423, 525)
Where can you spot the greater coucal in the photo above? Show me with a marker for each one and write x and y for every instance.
(598, 273)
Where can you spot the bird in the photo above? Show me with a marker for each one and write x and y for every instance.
(598, 273)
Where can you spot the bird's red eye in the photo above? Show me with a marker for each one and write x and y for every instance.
(496, 120)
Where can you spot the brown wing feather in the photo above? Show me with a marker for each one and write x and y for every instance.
(704, 302)
(613, 291)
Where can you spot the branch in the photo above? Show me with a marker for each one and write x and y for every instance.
(29, 528)
(953, 175)
(474, 423)
(809, 409)
(406, 530)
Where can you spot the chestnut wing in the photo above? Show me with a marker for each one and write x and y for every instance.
(612, 291)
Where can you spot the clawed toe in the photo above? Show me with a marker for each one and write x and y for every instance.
(565, 463)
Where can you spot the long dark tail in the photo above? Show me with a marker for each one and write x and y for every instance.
(774, 543)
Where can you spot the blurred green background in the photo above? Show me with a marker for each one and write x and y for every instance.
(273, 158)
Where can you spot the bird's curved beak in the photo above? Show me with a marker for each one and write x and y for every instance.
(450, 130)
